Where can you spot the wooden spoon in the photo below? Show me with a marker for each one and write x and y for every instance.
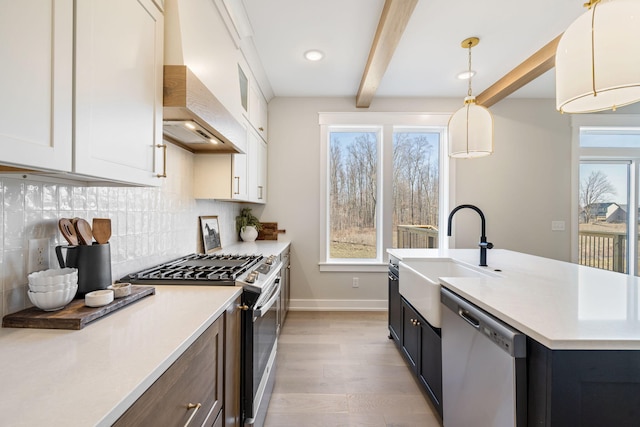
(68, 231)
(83, 229)
(102, 230)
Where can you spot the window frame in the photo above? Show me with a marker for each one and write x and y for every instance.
(388, 123)
(606, 155)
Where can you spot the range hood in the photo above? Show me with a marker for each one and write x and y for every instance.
(195, 119)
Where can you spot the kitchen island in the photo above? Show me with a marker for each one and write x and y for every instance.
(92, 376)
(582, 326)
(562, 306)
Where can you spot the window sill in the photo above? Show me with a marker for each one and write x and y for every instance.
(355, 267)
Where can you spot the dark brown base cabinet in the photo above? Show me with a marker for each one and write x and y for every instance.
(285, 287)
(198, 388)
(419, 343)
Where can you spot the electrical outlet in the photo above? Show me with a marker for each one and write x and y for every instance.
(38, 255)
(356, 282)
(557, 225)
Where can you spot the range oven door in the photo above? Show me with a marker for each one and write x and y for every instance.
(260, 325)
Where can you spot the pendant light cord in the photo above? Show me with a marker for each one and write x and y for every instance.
(593, 49)
(470, 75)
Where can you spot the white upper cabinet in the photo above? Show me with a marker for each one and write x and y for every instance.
(257, 165)
(234, 177)
(118, 102)
(36, 52)
(116, 113)
(258, 110)
(221, 177)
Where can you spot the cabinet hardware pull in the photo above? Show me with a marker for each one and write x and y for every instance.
(238, 184)
(164, 160)
(261, 129)
(191, 406)
(260, 188)
(243, 307)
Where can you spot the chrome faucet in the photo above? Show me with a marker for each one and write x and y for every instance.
(484, 245)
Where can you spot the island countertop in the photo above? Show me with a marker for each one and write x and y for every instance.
(91, 376)
(561, 305)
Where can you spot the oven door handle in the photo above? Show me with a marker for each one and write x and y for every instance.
(260, 311)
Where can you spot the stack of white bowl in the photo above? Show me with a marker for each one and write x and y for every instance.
(53, 289)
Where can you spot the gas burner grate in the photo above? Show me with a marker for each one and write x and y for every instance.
(201, 268)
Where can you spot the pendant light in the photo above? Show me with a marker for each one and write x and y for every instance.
(598, 58)
(471, 127)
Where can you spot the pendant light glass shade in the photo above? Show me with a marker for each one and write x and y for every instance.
(471, 131)
(598, 58)
(471, 127)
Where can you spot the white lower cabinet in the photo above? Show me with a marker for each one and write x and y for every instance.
(109, 125)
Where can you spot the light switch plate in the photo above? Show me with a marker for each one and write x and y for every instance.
(557, 226)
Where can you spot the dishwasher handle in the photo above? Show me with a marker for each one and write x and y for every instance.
(504, 336)
(468, 317)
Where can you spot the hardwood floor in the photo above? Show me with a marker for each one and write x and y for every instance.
(340, 369)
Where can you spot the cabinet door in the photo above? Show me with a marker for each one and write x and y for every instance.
(118, 99)
(430, 366)
(252, 164)
(231, 409)
(257, 167)
(36, 53)
(395, 310)
(262, 171)
(195, 378)
(258, 110)
(410, 335)
(240, 185)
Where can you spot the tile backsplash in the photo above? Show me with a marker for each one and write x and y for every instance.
(149, 225)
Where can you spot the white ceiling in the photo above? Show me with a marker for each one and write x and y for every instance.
(428, 56)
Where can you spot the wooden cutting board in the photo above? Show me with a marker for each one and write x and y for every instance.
(74, 316)
(269, 231)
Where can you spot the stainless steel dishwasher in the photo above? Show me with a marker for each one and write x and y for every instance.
(483, 367)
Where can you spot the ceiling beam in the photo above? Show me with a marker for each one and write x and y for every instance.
(529, 70)
(393, 21)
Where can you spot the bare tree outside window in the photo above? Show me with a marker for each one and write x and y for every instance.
(353, 191)
(353, 194)
(604, 217)
(594, 190)
(416, 182)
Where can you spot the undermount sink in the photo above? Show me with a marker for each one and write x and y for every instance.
(420, 283)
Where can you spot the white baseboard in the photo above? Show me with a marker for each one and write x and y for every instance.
(337, 305)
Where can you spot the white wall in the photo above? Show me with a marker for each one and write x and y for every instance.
(521, 188)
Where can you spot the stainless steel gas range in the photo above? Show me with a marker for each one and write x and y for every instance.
(260, 280)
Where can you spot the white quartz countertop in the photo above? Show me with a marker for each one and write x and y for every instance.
(259, 247)
(90, 377)
(559, 304)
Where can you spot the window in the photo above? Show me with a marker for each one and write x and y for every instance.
(381, 186)
(607, 194)
(416, 188)
(353, 193)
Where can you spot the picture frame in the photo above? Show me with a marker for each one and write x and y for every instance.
(210, 232)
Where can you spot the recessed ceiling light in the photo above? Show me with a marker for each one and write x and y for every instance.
(313, 55)
(466, 75)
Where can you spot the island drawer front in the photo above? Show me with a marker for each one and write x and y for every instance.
(196, 377)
